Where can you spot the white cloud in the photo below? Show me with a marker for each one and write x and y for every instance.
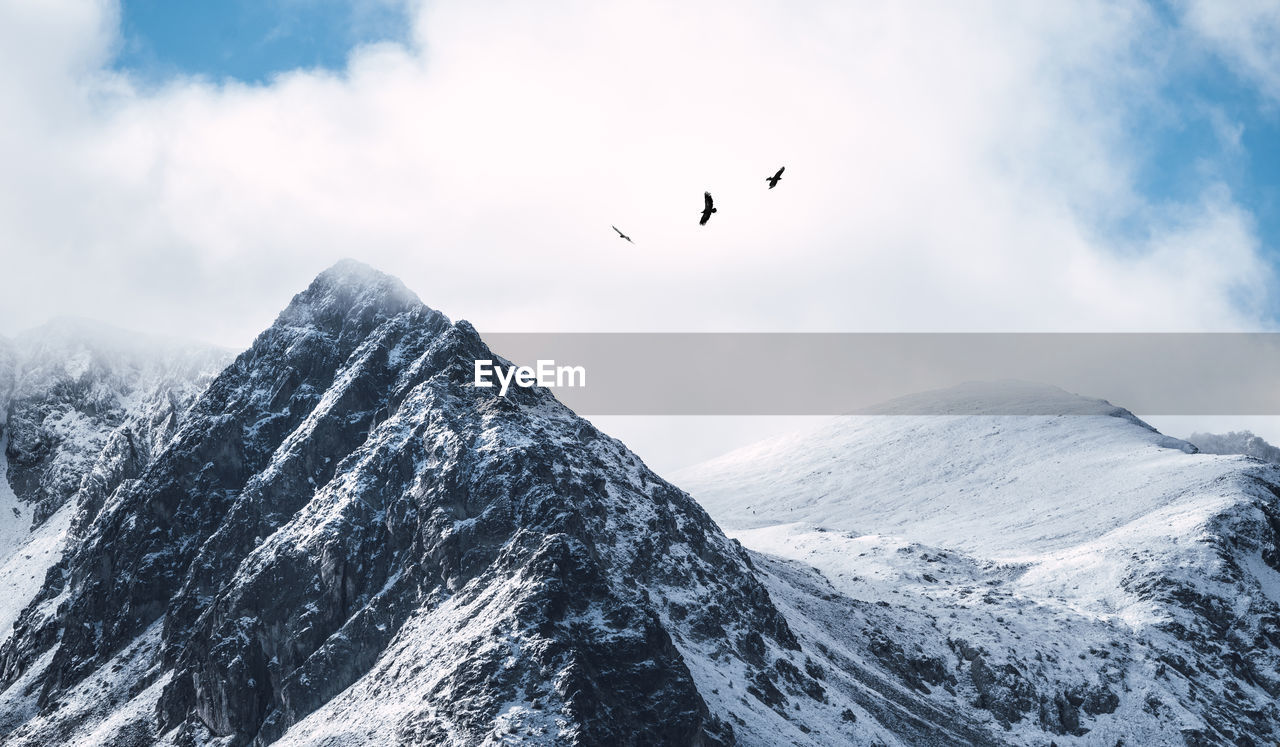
(1246, 33)
(948, 168)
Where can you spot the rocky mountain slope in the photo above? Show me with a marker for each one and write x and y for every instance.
(83, 407)
(345, 542)
(67, 386)
(1074, 579)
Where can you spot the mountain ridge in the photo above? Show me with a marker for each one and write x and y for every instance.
(1082, 578)
(340, 540)
(340, 483)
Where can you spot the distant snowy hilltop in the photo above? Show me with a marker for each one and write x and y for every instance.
(335, 538)
(1075, 579)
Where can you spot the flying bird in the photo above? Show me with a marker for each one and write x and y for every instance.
(773, 180)
(623, 235)
(707, 209)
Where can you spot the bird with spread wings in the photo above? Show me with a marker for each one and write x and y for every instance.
(707, 209)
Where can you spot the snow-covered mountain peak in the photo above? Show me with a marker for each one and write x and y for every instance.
(340, 540)
(982, 483)
(348, 298)
(1083, 576)
(346, 541)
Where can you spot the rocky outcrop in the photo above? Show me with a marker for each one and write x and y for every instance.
(340, 493)
(80, 398)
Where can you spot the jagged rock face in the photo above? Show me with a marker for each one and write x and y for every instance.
(1223, 622)
(83, 409)
(341, 496)
(80, 398)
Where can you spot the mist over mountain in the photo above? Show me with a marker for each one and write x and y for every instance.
(1236, 442)
(69, 387)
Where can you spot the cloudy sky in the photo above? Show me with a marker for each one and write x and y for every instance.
(184, 168)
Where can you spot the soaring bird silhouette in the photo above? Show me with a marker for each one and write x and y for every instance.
(707, 209)
(773, 180)
(623, 235)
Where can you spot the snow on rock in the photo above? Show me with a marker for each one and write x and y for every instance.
(1001, 486)
(113, 706)
(346, 542)
(82, 406)
(73, 385)
(24, 562)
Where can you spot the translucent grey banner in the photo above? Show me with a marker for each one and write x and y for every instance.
(833, 374)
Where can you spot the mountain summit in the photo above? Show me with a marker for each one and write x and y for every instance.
(346, 542)
(348, 296)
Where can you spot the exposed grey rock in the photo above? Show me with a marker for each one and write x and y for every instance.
(342, 480)
(78, 397)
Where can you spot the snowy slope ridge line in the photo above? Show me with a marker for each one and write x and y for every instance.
(1078, 578)
(985, 483)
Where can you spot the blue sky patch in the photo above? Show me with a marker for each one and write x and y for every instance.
(250, 40)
